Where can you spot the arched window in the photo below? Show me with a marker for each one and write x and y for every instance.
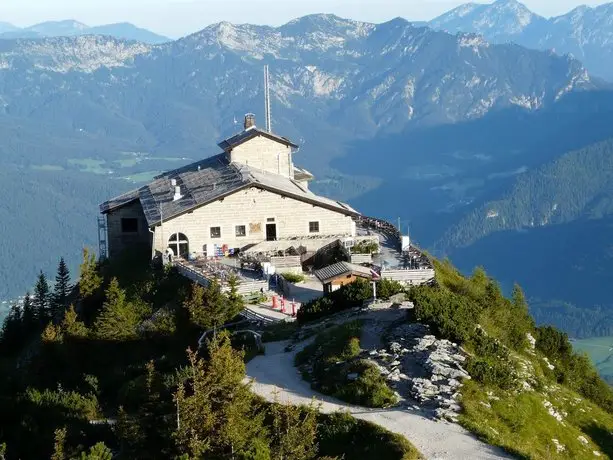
(179, 244)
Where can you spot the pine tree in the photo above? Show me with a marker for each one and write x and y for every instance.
(52, 334)
(11, 336)
(97, 452)
(235, 300)
(195, 305)
(479, 277)
(89, 280)
(209, 307)
(216, 306)
(130, 434)
(519, 299)
(61, 290)
(71, 326)
(41, 299)
(60, 445)
(118, 319)
(216, 416)
(29, 315)
(294, 432)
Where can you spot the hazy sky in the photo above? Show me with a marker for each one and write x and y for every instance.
(175, 18)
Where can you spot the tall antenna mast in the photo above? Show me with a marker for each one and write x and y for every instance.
(267, 99)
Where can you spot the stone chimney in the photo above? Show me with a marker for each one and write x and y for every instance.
(249, 121)
(177, 189)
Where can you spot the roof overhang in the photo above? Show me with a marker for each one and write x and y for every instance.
(340, 269)
(234, 141)
(119, 202)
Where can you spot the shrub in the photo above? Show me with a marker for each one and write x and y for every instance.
(333, 357)
(64, 403)
(293, 277)
(388, 288)
(492, 372)
(336, 344)
(452, 316)
(365, 247)
(369, 389)
(553, 343)
(279, 331)
(349, 296)
(256, 297)
(341, 435)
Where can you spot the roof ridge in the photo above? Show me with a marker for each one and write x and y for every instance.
(187, 167)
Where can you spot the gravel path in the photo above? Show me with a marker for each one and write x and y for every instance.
(275, 376)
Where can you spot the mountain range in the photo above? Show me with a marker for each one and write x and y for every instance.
(584, 32)
(400, 120)
(70, 28)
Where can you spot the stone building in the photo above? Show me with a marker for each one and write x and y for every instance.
(249, 194)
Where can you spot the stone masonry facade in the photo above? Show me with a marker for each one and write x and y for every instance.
(265, 154)
(118, 239)
(252, 208)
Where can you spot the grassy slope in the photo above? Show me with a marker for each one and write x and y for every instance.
(333, 356)
(507, 402)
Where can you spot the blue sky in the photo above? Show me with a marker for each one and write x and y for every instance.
(175, 18)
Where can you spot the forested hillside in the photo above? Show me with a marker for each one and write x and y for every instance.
(578, 184)
(551, 233)
(566, 268)
(101, 371)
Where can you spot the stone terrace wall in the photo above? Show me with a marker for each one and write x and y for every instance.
(411, 277)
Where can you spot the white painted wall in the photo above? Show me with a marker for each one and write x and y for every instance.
(252, 207)
(265, 154)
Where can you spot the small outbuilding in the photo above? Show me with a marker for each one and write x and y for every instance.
(335, 276)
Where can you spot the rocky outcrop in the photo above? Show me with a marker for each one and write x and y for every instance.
(426, 372)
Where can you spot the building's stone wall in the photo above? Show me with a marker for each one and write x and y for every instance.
(251, 208)
(118, 240)
(265, 154)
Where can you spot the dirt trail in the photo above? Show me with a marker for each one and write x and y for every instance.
(275, 376)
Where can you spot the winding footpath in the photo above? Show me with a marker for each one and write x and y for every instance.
(275, 377)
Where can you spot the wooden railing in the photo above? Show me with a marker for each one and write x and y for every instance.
(244, 286)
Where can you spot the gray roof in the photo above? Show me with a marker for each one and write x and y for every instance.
(208, 180)
(341, 268)
(250, 133)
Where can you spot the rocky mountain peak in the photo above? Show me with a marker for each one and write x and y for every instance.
(64, 27)
(85, 53)
(326, 25)
(585, 32)
(6, 27)
(503, 17)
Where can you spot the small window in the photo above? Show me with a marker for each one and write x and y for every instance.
(270, 219)
(313, 227)
(241, 230)
(129, 225)
(215, 232)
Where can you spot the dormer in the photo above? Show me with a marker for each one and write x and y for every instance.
(260, 149)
